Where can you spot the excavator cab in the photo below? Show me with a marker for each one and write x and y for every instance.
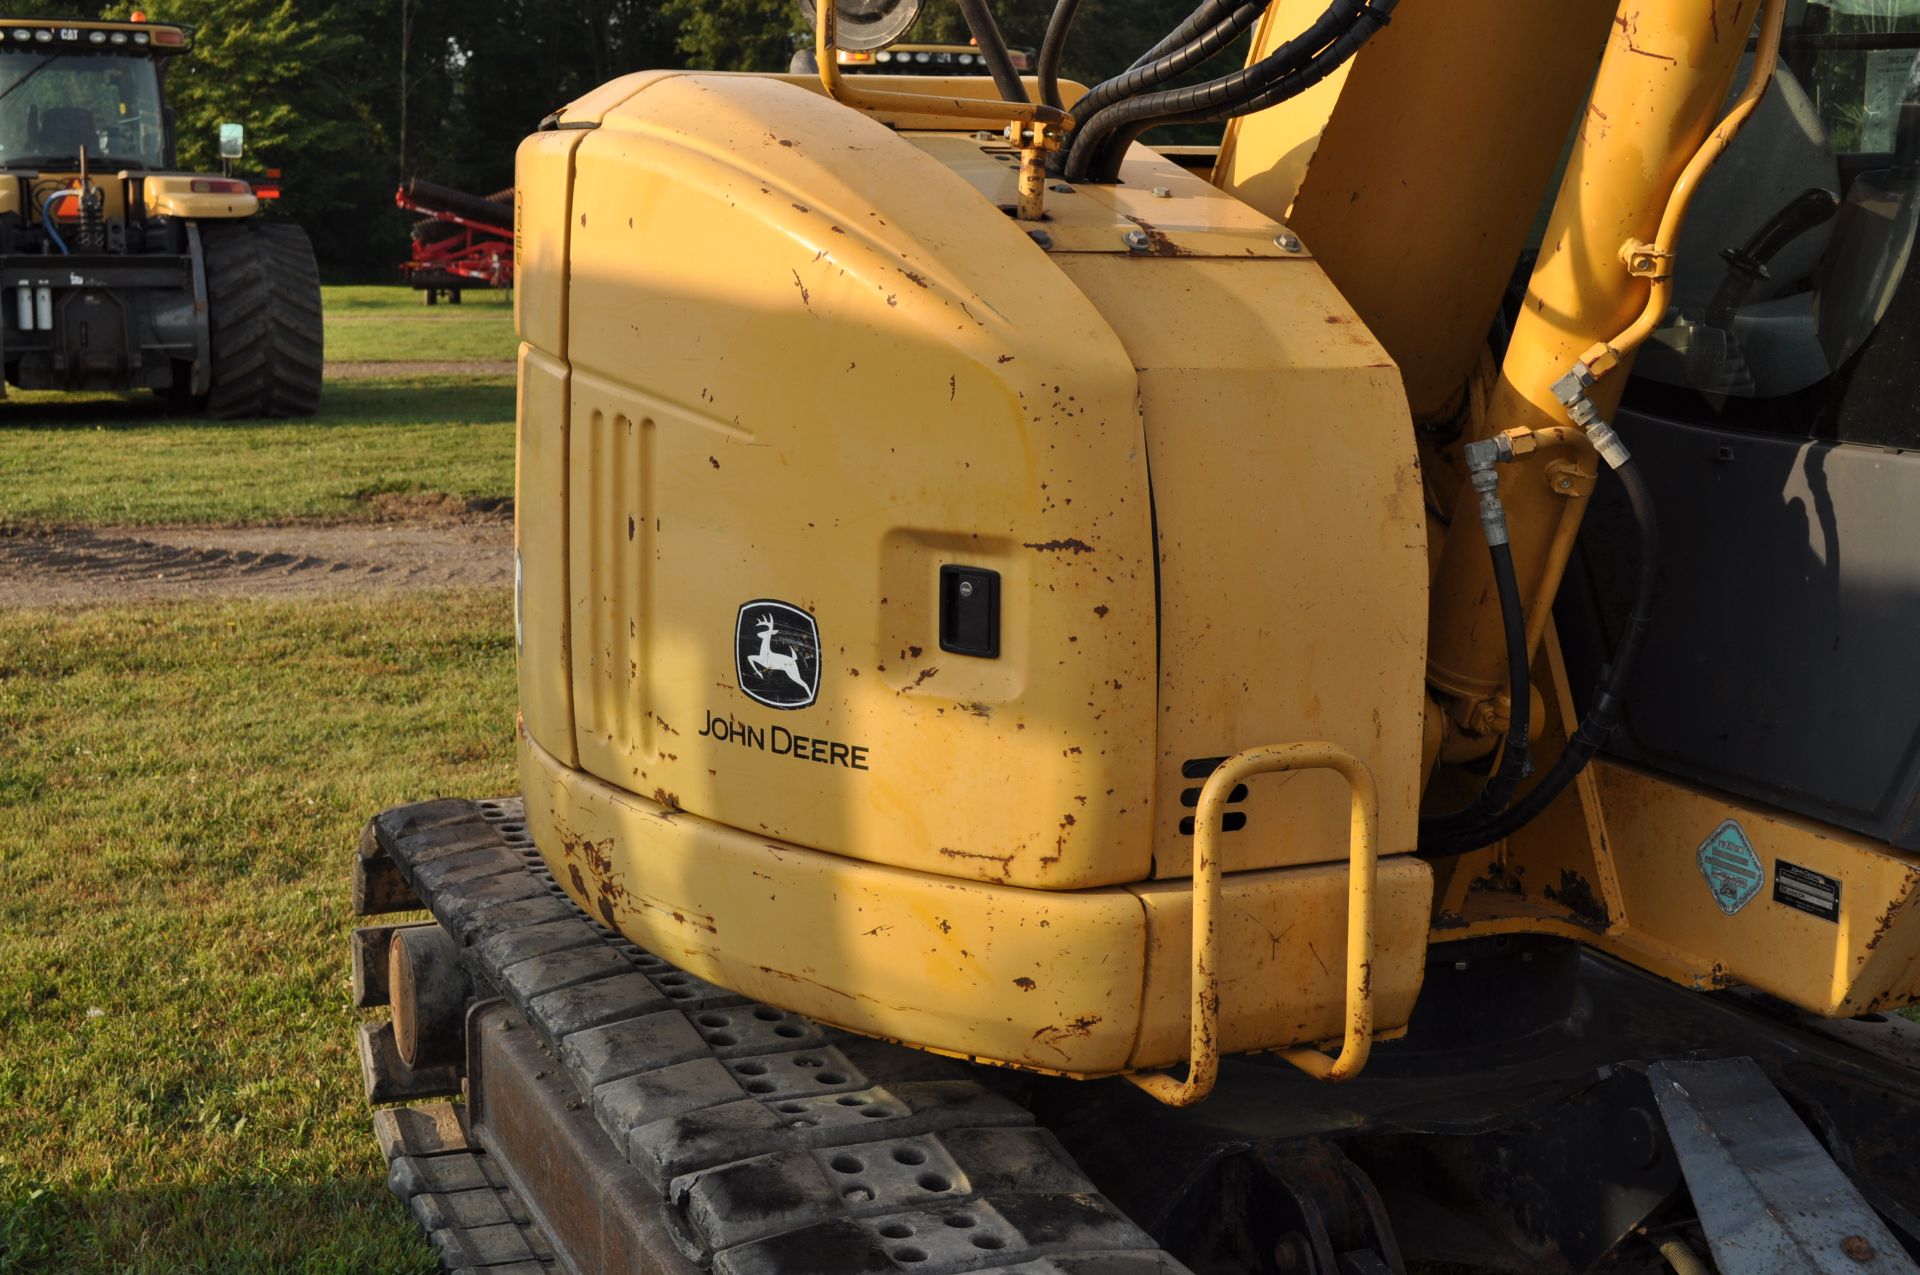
(1775, 397)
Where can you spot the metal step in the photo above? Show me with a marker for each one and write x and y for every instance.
(710, 1130)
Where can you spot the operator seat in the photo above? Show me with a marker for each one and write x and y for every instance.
(64, 130)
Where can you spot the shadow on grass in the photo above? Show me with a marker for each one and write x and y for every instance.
(268, 1225)
(413, 400)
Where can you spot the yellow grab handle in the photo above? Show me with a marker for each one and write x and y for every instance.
(1203, 1047)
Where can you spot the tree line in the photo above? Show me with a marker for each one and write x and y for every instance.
(347, 97)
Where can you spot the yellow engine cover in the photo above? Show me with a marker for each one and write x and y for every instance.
(781, 365)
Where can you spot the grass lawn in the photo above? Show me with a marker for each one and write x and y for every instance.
(101, 460)
(387, 325)
(357, 299)
(180, 787)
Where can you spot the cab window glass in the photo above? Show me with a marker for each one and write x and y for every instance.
(53, 103)
(1794, 304)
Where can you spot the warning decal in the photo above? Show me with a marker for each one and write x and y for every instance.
(1803, 888)
(1731, 867)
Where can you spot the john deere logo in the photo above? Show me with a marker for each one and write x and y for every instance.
(776, 654)
(1731, 867)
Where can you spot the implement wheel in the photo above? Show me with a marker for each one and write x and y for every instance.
(263, 308)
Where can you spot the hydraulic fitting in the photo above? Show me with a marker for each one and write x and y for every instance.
(1571, 390)
(1482, 457)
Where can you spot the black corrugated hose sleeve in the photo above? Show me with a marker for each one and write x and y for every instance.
(993, 49)
(1604, 713)
(1299, 63)
(1190, 26)
(1143, 76)
(1277, 89)
(1053, 46)
(1101, 163)
(1498, 790)
(1219, 94)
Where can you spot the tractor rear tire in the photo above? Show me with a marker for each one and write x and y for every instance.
(263, 308)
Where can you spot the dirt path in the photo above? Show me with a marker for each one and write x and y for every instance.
(127, 564)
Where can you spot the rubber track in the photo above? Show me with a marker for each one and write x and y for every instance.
(263, 304)
(458, 1196)
(780, 1147)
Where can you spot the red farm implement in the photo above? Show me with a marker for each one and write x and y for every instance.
(461, 240)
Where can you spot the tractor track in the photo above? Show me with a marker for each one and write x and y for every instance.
(79, 567)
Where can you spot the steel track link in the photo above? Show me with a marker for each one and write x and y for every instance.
(777, 1146)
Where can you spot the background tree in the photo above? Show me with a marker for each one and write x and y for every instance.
(735, 35)
(349, 97)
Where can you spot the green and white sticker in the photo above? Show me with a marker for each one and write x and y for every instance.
(1732, 869)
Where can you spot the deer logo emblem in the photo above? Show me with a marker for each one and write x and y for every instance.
(777, 654)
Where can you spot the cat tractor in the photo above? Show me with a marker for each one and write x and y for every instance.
(118, 271)
(1341, 705)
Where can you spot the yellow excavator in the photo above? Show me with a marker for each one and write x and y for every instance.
(1344, 704)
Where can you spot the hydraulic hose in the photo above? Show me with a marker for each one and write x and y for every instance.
(1100, 141)
(1604, 713)
(1142, 76)
(993, 50)
(46, 217)
(1221, 93)
(1102, 163)
(1101, 160)
(1053, 46)
(1190, 26)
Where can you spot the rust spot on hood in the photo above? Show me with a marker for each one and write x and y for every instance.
(1078, 1028)
(1058, 546)
(1004, 863)
(1158, 245)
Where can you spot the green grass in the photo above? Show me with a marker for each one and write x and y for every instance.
(379, 299)
(387, 325)
(403, 341)
(179, 791)
(101, 460)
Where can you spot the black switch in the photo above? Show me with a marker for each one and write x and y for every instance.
(970, 611)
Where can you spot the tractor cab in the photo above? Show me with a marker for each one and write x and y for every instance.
(92, 87)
